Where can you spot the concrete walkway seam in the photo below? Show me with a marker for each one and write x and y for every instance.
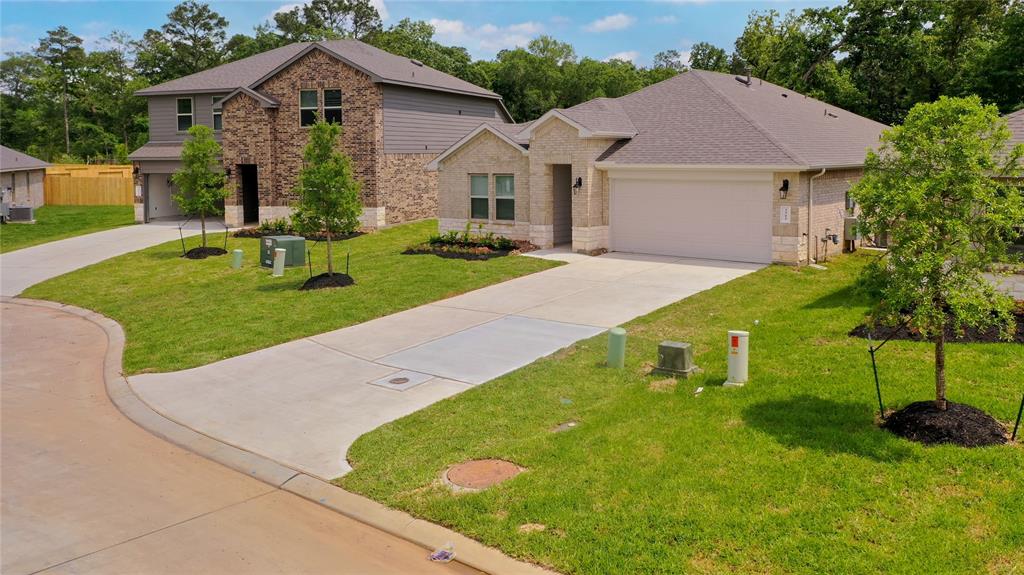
(398, 523)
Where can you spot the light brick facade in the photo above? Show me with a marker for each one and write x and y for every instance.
(556, 142)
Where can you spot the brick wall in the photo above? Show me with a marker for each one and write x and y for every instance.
(790, 241)
(409, 191)
(484, 154)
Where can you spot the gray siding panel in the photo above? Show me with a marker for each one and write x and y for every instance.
(163, 119)
(423, 121)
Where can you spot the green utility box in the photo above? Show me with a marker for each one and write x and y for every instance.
(295, 247)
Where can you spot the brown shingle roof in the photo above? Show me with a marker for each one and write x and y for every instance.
(702, 117)
(1015, 121)
(382, 66)
(157, 152)
(15, 161)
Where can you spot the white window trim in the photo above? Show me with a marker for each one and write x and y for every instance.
(316, 109)
(487, 196)
(338, 107)
(191, 114)
(497, 197)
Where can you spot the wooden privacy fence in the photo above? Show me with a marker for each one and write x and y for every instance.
(88, 185)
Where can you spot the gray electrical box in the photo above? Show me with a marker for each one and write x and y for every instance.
(676, 358)
(294, 246)
(850, 229)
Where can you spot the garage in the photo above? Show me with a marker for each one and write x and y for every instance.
(722, 216)
(160, 197)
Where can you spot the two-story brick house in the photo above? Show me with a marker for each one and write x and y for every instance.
(397, 115)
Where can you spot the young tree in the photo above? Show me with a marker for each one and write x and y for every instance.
(939, 187)
(201, 185)
(328, 190)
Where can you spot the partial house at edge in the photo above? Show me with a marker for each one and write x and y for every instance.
(397, 115)
(21, 178)
(702, 165)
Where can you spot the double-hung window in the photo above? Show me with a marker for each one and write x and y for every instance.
(478, 199)
(332, 106)
(217, 119)
(504, 197)
(308, 107)
(184, 113)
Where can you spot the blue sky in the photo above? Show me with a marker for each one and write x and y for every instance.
(603, 29)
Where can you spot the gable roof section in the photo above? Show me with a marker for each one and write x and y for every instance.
(496, 129)
(264, 100)
(707, 118)
(382, 66)
(1015, 121)
(598, 118)
(15, 161)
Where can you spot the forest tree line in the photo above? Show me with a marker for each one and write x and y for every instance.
(61, 102)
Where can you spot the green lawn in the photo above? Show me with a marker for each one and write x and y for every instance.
(180, 313)
(786, 475)
(59, 222)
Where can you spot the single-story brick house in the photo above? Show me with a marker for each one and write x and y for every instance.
(21, 178)
(703, 165)
(397, 115)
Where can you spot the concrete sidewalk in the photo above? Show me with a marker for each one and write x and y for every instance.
(85, 490)
(26, 267)
(303, 403)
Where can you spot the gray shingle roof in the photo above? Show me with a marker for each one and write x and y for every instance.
(157, 152)
(1015, 121)
(382, 66)
(702, 117)
(15, 161)
(602, 115)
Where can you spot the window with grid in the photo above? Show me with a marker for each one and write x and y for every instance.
(217, 119)
(478, 197)
(332, 106)
(308, 107)
(184, 111)
(504, 197)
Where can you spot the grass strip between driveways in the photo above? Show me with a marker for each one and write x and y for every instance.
(787, 475)
(60, 222)
(180, 313)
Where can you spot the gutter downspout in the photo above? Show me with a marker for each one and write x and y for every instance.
(810, 209)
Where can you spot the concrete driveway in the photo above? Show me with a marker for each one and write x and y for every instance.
(85, 490)
(303, 403)
(26, 267)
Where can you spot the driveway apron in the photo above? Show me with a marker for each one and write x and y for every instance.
(305, 402)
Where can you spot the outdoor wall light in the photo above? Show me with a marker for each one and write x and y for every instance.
(784, 190)
(227, 171)
(577, 185)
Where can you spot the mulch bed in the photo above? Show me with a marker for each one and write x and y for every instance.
(969, 335)
(959, 424)
(256, 233)
(471, 253)
(327, 281)
(202, 253)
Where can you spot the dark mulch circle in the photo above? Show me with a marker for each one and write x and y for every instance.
(969, 335)
(959, 424)
(458, 255)
(327, 281)
(202, 253)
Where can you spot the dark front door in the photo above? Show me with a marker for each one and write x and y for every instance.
(250, 192)
(562, 199)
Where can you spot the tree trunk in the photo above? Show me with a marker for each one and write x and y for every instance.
(330, 255)
(940, 369)
(202, 223)
(67, 125)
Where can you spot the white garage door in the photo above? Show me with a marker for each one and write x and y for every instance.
(722, 219)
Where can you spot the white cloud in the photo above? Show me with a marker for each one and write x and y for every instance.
(486, 38)
(669, 19)
(14, 44)
(618, 21)
(627, 56)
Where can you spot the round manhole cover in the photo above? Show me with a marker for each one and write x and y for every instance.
(398, 380)
(480, 474)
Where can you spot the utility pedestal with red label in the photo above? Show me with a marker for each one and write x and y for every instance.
(737, 358)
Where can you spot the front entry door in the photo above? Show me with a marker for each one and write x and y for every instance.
(250, 193)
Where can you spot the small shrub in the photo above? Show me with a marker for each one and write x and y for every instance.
(277, 226)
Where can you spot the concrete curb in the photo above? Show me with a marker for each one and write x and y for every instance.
(400, 524)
